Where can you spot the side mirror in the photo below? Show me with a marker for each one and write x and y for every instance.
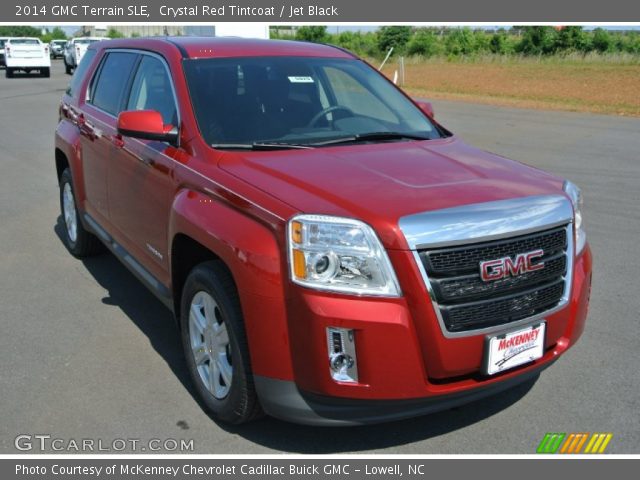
(426, 107)
(146, 125)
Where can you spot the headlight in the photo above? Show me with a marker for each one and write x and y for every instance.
(575, 195)
(340, 255)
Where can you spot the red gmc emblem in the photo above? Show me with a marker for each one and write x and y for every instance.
(507, 266)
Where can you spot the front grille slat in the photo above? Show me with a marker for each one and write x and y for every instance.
(467, 303)
(458, 260)
(471, 287)
(490, 313)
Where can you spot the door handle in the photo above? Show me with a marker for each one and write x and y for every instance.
(117, 140)
(86, 127)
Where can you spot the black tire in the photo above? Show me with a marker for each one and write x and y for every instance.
(85, 243)
(67, 67)
(45, 72)
(8, 72)
(240, 404)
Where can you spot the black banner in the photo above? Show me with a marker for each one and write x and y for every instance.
(321, 469)
(320, 11)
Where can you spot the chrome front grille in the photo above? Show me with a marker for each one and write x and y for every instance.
(466, 302)
(450, 244)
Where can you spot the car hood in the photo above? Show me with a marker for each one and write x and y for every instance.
(380, 183)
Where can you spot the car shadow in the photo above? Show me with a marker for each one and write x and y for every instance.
(156, 322)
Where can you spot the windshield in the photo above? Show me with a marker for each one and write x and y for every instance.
(2, 40)
(298, 100)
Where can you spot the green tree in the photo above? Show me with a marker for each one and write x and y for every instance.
(537, 40)
(58, 34)
(19, 31)
(460, 41)
(424, 42)
(393, 36)
(312, 33)
(631, 43)
(113, 33)
(601, 40)
(571, 38)
(500, 43)
(481, 41)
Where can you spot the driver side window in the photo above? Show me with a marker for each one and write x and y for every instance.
(151, 90)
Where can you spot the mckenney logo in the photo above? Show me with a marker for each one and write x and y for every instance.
(522, 339)
(574, 443)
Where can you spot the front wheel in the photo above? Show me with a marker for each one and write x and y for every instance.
(215, 345)
(67, 67)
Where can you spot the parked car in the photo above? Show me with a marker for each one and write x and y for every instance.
(26, 54)
(2, 41)
(333, 255)
(75, 50)
(56, 47)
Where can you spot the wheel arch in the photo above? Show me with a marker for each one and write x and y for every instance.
(62, 162)
(204, 228)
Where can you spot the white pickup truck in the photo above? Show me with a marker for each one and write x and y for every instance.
(74, 51)
(26, 54)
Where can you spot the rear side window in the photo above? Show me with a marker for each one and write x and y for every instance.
(109, 88)
(80, 72)
(151, 90)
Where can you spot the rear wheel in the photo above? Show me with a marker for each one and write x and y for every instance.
(45, 72)
(8, 72)
(215, 345)
(67, 67)
(79, 241)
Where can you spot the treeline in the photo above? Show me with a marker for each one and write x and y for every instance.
(456, 42)
(26, 31)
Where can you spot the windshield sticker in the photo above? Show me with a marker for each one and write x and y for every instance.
(301, 79)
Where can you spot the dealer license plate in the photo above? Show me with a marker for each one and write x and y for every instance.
(514, 348)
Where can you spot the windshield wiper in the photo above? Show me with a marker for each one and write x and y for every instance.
(372, 136)
(261, 146)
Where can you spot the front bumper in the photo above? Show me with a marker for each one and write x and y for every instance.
(406, 366)
(282, 399)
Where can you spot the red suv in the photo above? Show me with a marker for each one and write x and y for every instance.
(332, 254)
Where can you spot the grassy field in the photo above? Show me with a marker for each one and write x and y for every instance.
(601, 86)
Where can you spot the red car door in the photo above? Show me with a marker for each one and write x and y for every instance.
(96, 121)
(140, 181)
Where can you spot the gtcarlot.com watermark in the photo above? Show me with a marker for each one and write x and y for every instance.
(48, 443)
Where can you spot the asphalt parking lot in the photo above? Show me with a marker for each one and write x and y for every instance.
(87, 352)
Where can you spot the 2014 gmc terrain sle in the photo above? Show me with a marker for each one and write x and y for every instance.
(333, 255)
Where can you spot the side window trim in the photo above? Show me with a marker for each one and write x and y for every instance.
(134, 71)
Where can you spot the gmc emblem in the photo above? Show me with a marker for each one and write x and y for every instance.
(505, 267)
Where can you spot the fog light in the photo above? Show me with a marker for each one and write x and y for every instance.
(343, 364)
